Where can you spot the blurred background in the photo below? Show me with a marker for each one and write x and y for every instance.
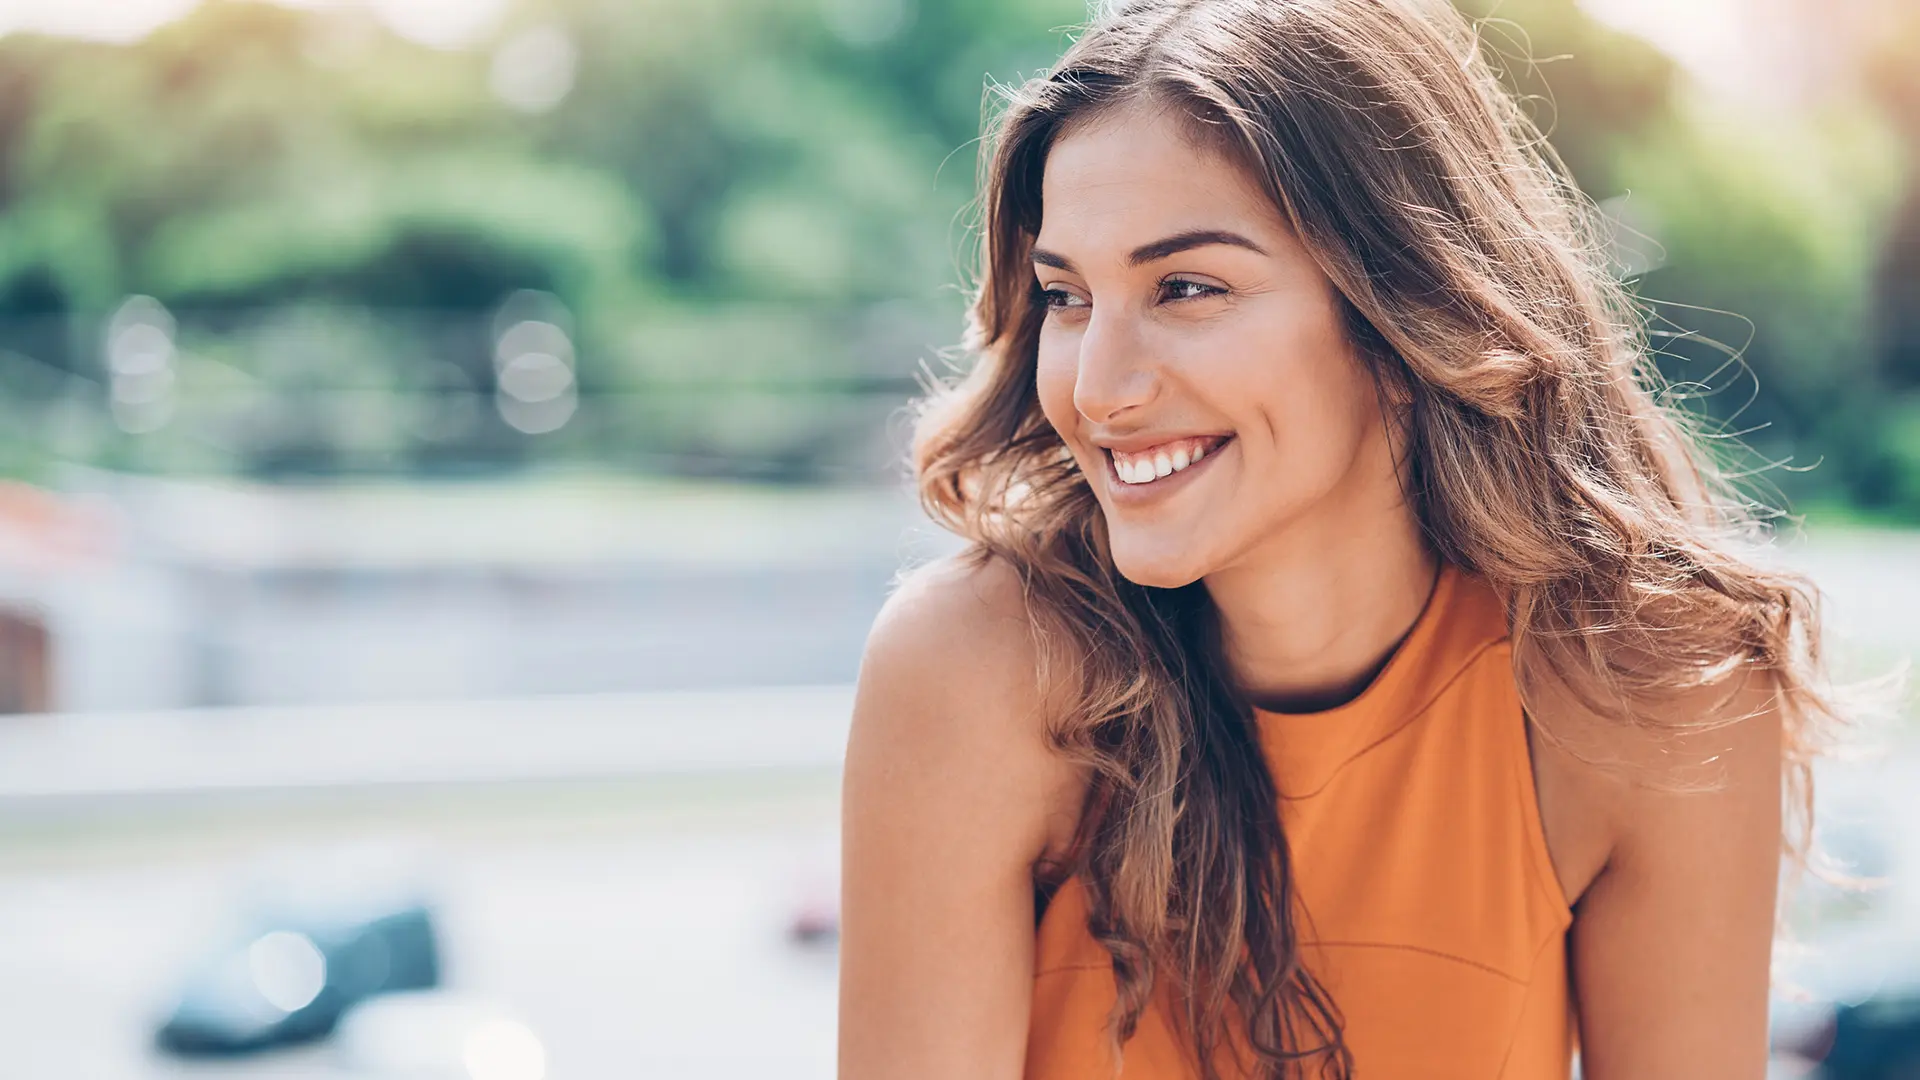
(450, 457)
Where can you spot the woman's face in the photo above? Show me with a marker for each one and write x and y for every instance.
(1186, 321)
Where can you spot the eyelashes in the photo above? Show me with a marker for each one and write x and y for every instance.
(1176, 285)
(1172, 290)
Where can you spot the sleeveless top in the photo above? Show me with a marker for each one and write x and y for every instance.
(1427, 904)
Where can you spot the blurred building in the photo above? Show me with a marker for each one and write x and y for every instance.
(41, 539)
(137, 593)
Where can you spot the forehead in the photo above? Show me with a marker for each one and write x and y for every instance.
(1137, 174)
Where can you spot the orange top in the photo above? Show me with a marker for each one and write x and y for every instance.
(1430, 910)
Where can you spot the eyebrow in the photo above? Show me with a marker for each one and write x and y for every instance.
(1160, 249)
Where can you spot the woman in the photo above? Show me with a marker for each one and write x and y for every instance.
(1355, 671)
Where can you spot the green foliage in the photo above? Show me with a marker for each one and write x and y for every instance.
(1590, 89)
(1764, 232)
(1769, 236)
(754, 211)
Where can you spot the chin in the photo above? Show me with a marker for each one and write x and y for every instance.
(1157, 565)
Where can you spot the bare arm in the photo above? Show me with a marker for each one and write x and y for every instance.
(951, 795)
(1672, 942)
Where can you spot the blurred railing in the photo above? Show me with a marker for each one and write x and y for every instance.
(755, 390)
(87, 762)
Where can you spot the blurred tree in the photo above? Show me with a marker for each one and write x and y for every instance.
(1754, 238)
(747, 200)
(223, 162)
(1593, 90)
(1893, 76)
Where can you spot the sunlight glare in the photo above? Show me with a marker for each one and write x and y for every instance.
(443, 24)
(1721, 43)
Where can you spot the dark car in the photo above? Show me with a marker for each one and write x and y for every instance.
(291, 979)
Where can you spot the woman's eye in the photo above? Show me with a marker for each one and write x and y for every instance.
(1054, 299)
(1182, 289)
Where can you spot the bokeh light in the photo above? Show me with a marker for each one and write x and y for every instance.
(288, 969)
(140, 364)
(504, 1050)
(533, 70)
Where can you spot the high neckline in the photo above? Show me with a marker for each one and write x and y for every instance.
(1388, 673)
(1460, 616)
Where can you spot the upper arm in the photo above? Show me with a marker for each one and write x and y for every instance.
(1672, 942)
(951, 794)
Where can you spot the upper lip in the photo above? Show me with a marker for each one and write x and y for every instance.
(1134, 444)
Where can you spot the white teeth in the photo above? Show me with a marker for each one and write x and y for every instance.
(1145, 470)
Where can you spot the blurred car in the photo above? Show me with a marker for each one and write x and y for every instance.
(1877, 1039)
(292, 978)
(1855, 1011)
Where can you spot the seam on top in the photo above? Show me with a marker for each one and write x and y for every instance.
(1414, 715)
(1397, 945)
(1057, 968)
(1545, 875)
(1402, 946)
(1533, 971)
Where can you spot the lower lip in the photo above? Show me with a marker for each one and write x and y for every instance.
(1125, 494)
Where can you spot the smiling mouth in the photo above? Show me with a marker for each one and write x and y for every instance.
(1139, 469)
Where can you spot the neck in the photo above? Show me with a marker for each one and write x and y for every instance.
(1309, 618)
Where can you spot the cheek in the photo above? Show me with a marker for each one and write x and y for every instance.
(1319, 399)
(1306, 394)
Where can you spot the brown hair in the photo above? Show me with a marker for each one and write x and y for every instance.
(1538, 451)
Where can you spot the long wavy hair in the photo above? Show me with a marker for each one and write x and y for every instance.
(1539, 450)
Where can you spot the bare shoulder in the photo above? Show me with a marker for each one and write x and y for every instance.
(954, 641)
(976, 606)
(1672, 936)
(951, 795)
(1703, 766)
(950, 682)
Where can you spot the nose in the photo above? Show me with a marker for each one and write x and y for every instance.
(1114, 373)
